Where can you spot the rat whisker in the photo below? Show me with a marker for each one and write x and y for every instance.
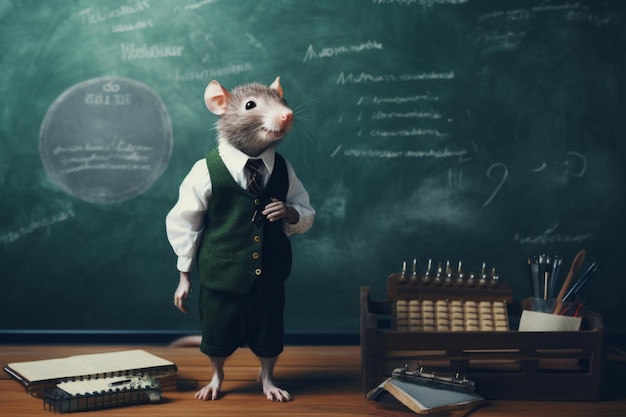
(299, 106)
(303, 131)
(308, 121)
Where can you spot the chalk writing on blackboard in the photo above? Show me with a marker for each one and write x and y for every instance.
(141, 25)
(132, 52)
(92, 16)
(34, 225)
(551, 236)
(209, 74)
(106, 140)
(252, 40)
(366, 78)
(425, 3)
(334, 51)
(407, 132)
(386, 153)
(501, 180)
(193, 6)
(574, 169)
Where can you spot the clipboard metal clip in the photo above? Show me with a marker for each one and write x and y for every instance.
(456, 382)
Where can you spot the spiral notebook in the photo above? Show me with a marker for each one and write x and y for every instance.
(101, 393)
(45, 374)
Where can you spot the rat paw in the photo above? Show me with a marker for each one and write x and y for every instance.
(276, 394)
(209, 392)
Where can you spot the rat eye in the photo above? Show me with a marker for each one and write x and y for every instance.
(250, 105)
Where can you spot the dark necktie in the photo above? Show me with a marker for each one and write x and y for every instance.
(255, 179)
(255, 185)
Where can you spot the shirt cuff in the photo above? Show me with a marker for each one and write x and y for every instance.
(184, 263)
(304, 223)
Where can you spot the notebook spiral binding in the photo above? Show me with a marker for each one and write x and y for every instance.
(131, 390)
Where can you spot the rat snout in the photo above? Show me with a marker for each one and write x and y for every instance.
(278, 125)
(286, 120)
(287, 116)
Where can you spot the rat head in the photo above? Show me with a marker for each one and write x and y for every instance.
(253, 117)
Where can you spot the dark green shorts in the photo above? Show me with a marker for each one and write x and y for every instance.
(231, 321)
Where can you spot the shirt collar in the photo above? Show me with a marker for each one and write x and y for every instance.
(236, 160)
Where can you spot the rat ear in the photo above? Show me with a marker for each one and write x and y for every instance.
(216, 98)
(276, 86)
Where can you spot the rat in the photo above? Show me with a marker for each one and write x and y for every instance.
(238, 235)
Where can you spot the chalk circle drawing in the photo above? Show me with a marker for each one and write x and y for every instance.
(106, 140)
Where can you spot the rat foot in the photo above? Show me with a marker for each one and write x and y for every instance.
(212, 389)
(273, 393)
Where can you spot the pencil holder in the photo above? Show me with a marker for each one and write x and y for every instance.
(574, 307)
(541, 305)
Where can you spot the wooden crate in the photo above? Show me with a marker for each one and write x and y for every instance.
(504, 364)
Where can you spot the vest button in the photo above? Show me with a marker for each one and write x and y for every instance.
(257, 201)
(255, 255)
(257, 238)
(257, 272)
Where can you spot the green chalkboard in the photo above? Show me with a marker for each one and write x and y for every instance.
(460, 130)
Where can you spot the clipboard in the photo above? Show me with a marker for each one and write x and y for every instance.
(428, 393)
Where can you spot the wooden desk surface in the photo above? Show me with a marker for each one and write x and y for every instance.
(324, 380)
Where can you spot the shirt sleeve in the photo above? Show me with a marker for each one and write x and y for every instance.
(298, 198)
(184, 222)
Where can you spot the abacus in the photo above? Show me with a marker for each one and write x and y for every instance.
(450, 315)
(448, 300)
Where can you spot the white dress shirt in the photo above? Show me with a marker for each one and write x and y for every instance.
(184, 223)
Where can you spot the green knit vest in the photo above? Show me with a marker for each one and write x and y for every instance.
(234, 253)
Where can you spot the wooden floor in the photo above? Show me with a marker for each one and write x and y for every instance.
(323, 381)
